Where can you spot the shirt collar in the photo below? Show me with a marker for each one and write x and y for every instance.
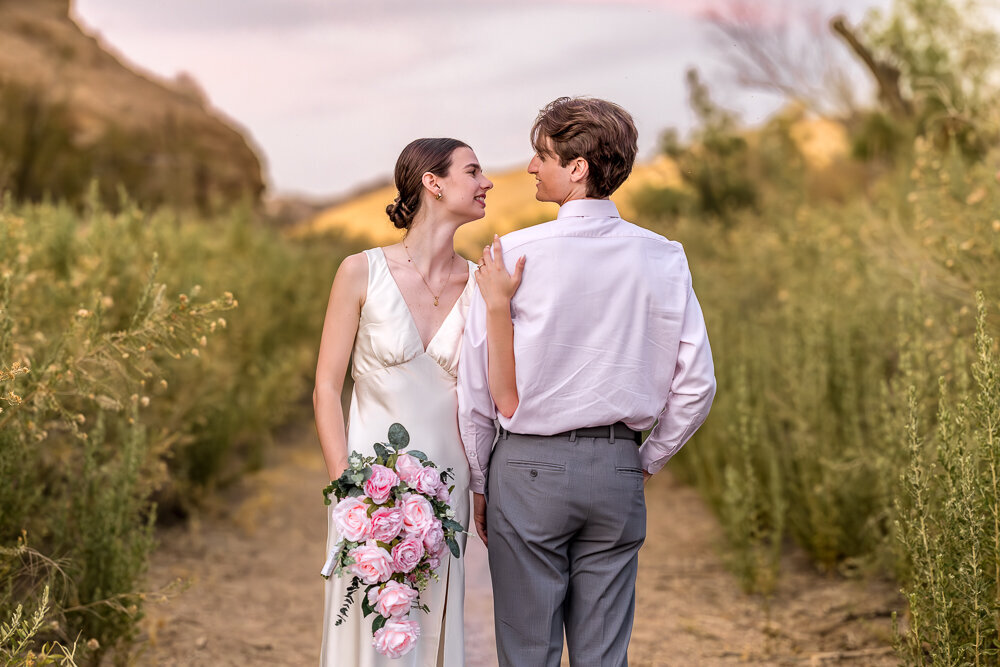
(588, 208)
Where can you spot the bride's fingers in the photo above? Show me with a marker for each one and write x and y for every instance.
(498, 251)
(518, 270)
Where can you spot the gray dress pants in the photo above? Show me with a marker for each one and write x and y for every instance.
(566, 517)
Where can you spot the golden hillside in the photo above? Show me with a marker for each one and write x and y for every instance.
(510, 205)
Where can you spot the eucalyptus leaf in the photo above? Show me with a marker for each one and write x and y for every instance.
(355, 491)
(417, 454)
(453, 546)
(366, 606)
(381, 451)
(399, 437)
(378, 623)
(450, 524)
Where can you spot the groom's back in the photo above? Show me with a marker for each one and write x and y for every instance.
(597, 320)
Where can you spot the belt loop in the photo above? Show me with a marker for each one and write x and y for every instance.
(611, 437)
(572, 435)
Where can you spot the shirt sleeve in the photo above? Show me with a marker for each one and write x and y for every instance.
(476, 411)
(691, 391)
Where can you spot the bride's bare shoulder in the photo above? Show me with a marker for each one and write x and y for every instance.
(352, 277)
(354, 265)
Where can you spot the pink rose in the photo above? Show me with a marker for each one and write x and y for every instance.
(433, 562)
(443, 494)
(351, 518)
(380, 484)
(386, 523)
(417, 514)
(396, 638)
(408, 468)
(394, 600)
(434, 539)
(407, 554)
(428, 481)
(372, 563)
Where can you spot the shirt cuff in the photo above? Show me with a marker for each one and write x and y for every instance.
(477, 476)
(477, 483)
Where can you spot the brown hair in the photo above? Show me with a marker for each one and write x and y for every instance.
(418, 158)
(600, 132)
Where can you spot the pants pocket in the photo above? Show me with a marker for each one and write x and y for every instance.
(537, 465)
(630, 476)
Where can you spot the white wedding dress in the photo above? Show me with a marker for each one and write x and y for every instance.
(397, 380)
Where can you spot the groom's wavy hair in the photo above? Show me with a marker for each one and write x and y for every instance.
(419, 157)
(600, 132)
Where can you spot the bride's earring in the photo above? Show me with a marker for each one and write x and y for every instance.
(439, 195)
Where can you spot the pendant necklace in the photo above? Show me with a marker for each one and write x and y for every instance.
(437, 296)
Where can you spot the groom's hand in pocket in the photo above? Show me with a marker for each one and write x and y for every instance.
(479, 515)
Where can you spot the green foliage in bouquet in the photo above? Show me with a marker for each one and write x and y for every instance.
(359, 468)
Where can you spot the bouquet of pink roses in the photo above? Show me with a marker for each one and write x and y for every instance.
(395, 525)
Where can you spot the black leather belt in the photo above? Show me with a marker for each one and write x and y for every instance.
(620, 430)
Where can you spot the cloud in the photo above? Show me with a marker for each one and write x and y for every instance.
(333, 89)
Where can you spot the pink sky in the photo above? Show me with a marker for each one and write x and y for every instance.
(331, 91)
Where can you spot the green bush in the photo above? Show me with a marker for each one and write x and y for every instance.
(821, 315)
(948, 518)
(123, 389)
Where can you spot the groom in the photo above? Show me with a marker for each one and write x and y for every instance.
(609, 341)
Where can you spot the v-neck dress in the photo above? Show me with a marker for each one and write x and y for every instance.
(397, 380)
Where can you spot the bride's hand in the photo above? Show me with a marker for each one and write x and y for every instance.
(495, 284)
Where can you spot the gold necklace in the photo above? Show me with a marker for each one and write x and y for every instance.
(451, 272)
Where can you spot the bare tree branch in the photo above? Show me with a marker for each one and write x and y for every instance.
(886, 75)
(788, 52)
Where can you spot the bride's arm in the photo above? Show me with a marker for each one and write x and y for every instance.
(343, 313)
(497, 287)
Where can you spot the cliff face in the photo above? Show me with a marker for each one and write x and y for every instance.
(71, 112)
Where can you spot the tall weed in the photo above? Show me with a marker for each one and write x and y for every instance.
(831, 320)
(947, 519)
(123, 389)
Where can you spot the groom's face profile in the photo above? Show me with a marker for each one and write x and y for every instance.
(553, 181)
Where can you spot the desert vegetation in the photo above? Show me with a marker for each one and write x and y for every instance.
(853, 313)
(853, 304)
(144, 360)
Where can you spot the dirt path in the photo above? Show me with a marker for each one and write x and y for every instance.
(255, 595)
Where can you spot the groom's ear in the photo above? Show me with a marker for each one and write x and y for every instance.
(579, 170)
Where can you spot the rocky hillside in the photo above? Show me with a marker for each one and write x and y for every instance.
(71, 112)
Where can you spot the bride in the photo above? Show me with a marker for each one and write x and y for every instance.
(397, 313)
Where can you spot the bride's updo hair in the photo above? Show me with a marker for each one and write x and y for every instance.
(418, 158)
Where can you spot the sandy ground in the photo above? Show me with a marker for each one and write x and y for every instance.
(254, 595)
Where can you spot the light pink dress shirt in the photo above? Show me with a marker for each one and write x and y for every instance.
(606, 328)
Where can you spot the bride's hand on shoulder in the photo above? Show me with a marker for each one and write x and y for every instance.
(495, 283)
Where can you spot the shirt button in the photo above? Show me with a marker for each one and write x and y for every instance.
(533, 473)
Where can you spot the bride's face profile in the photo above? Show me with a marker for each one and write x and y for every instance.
(463, 189)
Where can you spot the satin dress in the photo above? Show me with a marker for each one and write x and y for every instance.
(397, 380)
